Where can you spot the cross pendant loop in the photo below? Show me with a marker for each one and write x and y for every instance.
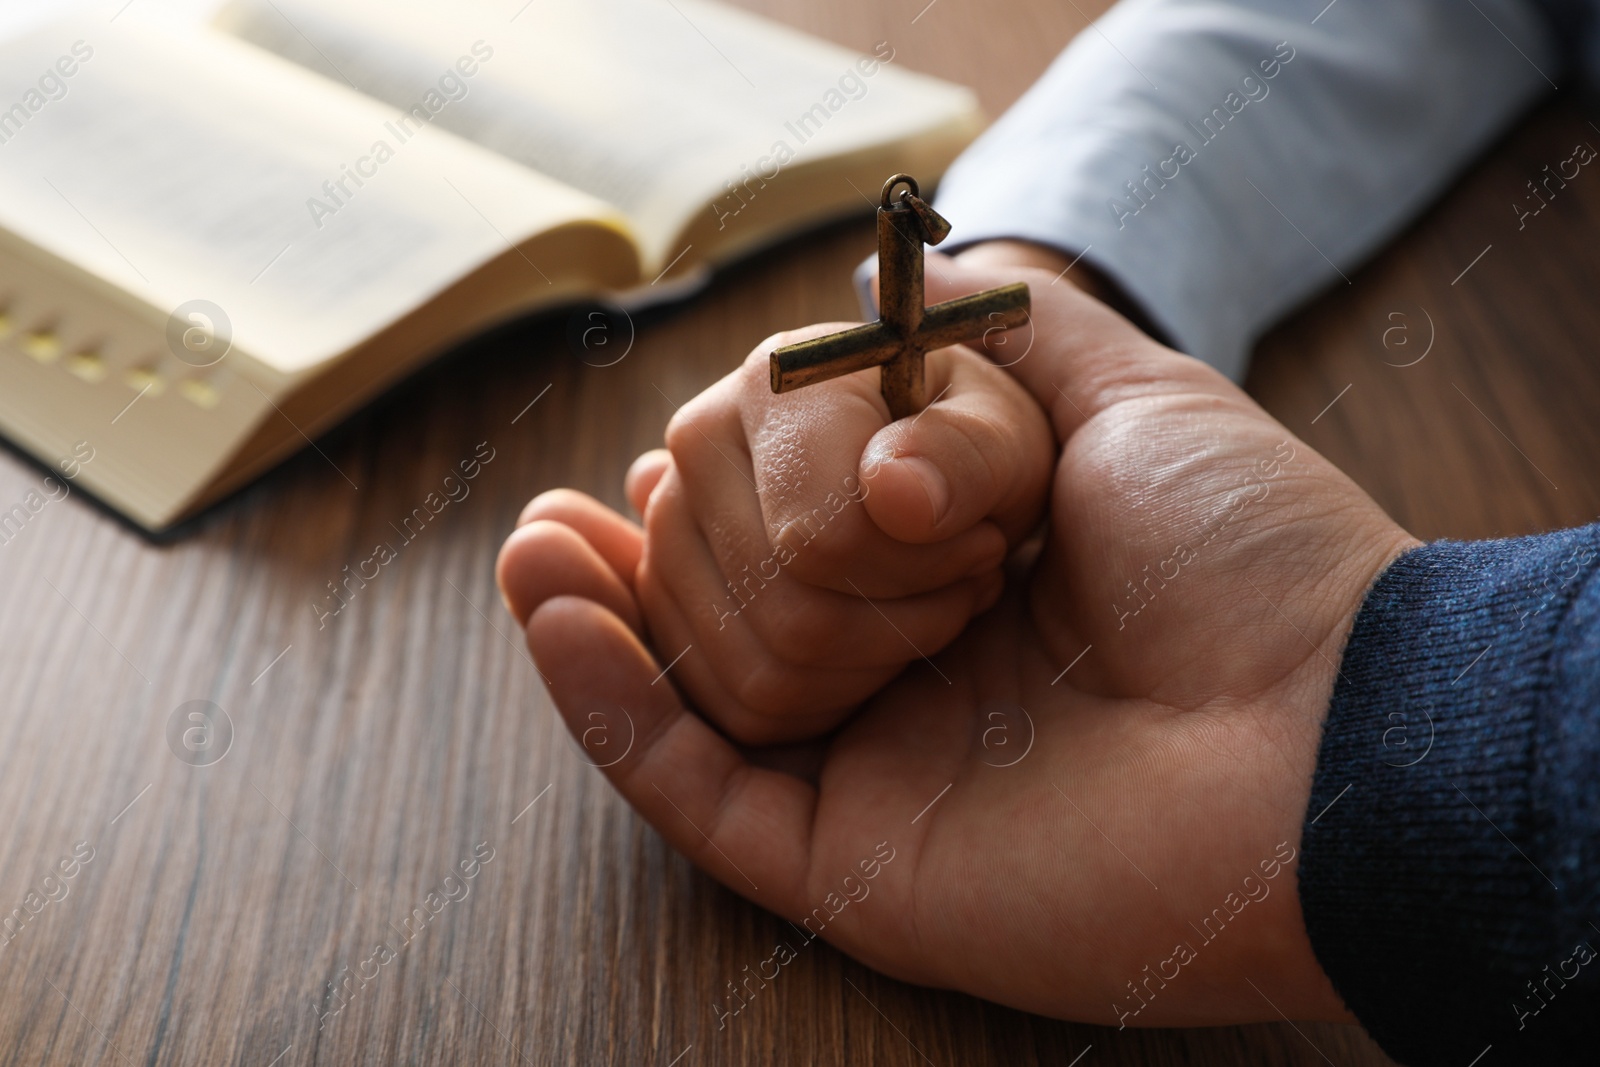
(905, 331)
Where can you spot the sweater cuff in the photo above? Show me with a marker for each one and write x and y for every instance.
(1449, 850)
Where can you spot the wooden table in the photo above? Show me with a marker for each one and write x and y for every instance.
(372, 756)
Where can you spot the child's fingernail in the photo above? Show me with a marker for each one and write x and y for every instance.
(933, 483)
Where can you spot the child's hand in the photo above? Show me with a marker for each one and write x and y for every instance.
(799, 550)
(1090, 804)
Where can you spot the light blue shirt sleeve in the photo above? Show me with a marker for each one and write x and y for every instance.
(1223, 160)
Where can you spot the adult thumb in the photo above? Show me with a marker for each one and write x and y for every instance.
(1075, 355)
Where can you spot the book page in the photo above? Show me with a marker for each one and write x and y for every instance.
(657, 107)
(176, 163)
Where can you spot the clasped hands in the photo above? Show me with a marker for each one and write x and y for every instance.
(1089, 541)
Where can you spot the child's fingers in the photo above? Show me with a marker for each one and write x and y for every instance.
(748, 827)
(794, 624)
(773, 659)
(773, 484)
(695, 622)
(643, 476)
(545, 559)
(981, 450)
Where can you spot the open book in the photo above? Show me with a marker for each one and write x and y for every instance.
(216, 241)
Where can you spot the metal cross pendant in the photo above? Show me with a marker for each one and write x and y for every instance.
(905, 330)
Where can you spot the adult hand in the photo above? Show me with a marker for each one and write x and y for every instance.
(1092, 799)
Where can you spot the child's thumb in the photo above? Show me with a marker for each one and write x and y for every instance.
(982, 450)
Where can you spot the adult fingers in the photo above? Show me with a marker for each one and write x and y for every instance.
(619, 542)
(748, 827)
(545, 559)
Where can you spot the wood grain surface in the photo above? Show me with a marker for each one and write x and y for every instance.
(377, 757)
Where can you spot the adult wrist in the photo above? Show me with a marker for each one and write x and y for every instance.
(1442, 866)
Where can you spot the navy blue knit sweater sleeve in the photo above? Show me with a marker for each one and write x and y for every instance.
(1450, 875)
